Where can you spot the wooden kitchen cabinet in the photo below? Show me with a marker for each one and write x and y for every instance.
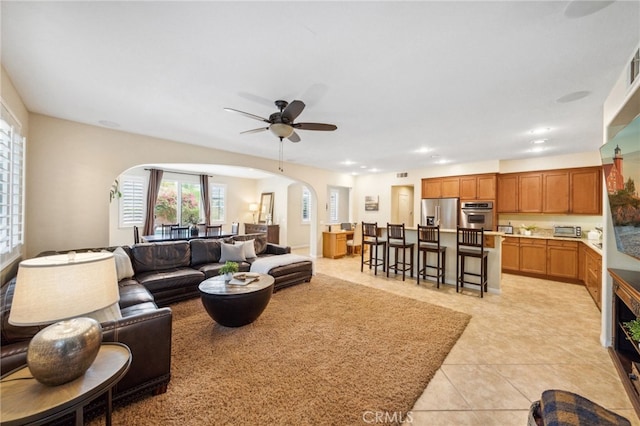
(487, 187)
(593, 276)
(432, 188)
(450, 187)
(511, 254)
(533, 255)
(530, 193)
(469, 188)
(562, 259)
(555, 192)
(334, 244)
(507, 193)
(582, 262)
(586, 191)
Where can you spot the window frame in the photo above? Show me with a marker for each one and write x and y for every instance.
(13, 190)
(334, 205)
(213, 186)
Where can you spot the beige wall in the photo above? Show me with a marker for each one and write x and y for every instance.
(71, 167)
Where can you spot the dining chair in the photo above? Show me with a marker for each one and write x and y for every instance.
(213, 230)
(429, 242)
(470, 243)
(180, 232)
(356, 240)
(136, 235)
(166, 228)
(370, 238)
(397, 241)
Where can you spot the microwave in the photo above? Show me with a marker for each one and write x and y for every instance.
(567, 231)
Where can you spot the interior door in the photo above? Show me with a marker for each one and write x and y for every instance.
(404, 206)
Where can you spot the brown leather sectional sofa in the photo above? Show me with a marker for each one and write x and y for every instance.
(164, 273)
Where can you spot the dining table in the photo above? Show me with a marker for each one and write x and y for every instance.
(156, 238)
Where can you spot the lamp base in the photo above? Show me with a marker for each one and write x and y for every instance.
(63, 351)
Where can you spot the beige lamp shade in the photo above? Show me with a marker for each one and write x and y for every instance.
(253, 207)
(54, 288)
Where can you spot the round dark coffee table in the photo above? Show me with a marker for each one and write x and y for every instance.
(234, 305)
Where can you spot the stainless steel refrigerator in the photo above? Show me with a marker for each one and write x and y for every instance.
(440, 211)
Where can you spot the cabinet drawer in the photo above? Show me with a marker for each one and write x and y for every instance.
(560, 243)
(533, 242)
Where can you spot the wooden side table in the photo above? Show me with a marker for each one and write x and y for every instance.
(25, 400)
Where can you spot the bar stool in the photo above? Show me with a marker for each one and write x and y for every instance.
(470, 243)
(397, 241)
(429, 242)
(370, 238)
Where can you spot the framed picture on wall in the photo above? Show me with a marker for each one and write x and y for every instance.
(371, 203)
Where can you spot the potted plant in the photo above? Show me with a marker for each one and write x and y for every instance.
(228, 269)
(633, 327)
(527, 229)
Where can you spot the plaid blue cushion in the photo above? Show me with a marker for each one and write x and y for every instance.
(562, 408)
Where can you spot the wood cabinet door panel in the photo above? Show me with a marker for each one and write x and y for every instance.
(556, 192)
(450, 187)
(562, 259)
(530, 193)
(586, 191)
(533, 256)
(468, 188)
(486, 188)
(511, 254)
(431, 188)
(507, 194)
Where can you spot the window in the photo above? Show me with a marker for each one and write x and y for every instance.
(334, 195)
(218, 195)
(132, 202)
(167, 208)
(306, 205)
(12, 146)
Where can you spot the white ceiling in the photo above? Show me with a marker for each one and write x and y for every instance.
(465, 81)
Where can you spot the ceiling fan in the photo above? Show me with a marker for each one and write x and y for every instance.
(282, 124)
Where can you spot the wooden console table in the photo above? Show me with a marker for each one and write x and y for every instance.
(624, 352)
(272, 231)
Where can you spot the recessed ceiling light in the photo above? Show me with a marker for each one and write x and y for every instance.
(540, 130)
(539, 141)
(537, 149)
(348, 162)
(422, 150)
(363, 167)
(374, 170)
(354, 173)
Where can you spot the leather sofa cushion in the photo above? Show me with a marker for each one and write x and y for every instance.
(133, 294)
(159, 256)
(156, 281)
(299, 267)
(205, 251)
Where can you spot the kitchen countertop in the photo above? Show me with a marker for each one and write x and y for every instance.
(544, 234)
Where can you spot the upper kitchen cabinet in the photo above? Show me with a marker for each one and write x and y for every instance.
(507, 193)
(478, 187)
(555, 192)
(470, 187)
(447, 187)
(565, 191)
(586, 191)
(530, 193)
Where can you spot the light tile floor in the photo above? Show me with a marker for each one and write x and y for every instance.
(535, 335)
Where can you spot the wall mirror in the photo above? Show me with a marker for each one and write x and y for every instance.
(266, 207)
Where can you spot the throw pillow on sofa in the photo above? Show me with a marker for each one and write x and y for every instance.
(232, 253)
(124, 269)
(249, 249)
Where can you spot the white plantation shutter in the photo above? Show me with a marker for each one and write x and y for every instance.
(12, 151)
(217, 201)
(132, 203)
(306, 205)
(333, 205)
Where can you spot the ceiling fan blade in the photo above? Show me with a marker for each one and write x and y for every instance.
(292, 111)
(258, 130)
(255, 117)
(315, 126)
(294, 137)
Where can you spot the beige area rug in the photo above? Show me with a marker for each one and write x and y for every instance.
(324, 353)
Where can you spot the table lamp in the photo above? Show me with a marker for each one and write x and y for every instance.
(253, 208)
(63, 288)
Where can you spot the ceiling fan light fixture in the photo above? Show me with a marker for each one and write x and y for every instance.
(281, 130)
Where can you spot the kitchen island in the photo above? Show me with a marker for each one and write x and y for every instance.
(493, 245)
